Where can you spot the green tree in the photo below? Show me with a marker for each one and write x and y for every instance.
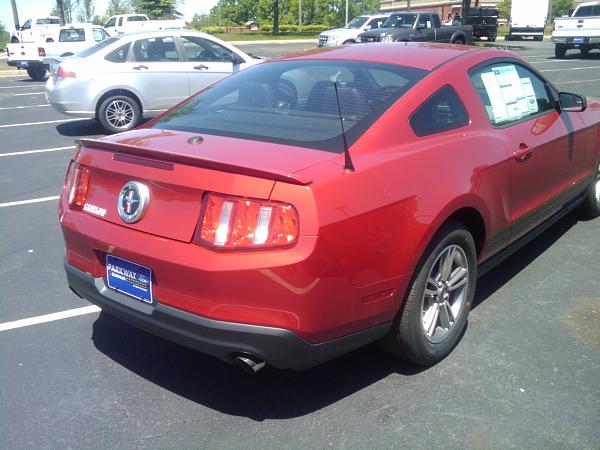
(504, 9)
(561, 7)
(157, 9)
(87, 11)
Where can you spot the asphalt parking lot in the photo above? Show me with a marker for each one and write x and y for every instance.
(526, 374)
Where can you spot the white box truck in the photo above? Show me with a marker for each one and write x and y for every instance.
(527, 19)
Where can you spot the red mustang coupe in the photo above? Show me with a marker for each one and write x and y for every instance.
(314, 203)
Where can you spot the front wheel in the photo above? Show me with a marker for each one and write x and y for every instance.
(459, 41)
(560, 50)
(438, 301)
(590, 208)
(36, 74)
(119, 113)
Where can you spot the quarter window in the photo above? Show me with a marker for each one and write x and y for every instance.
(510, 93)
(119, 55)
(441, 112)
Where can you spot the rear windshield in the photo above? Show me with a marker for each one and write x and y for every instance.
(72, 35)
(99, 46)
(137, 19)
(295, 102)
(589, 10)
(47, 21)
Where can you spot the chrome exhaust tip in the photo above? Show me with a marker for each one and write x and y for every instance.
(250, 364)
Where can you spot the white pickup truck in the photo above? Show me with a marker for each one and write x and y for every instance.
(71, 39)
(37, 29)
(580, 31)
(350, 32)
(130, 23)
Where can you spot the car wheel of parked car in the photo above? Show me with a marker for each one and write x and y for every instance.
(560, 50)
(590, 208)
(119, 113)
(538, 38)
(439, 299)
(459, 41)
(349, 41)
(36, 74)
(585, 51)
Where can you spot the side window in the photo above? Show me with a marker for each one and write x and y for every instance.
(119, 55)
(200, 49)
(155, 50)
(424, 22)
(110, 23)
(441, 112)
(120, 21)
(71, 35)
(510, 93)
(27, 25)
(99, 34)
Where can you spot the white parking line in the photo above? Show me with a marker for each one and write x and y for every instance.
(578, 81)
(567, 68)
(31, 93)
(30, 152)
(36, 123)
(22, 86)
(49, 317)
(27, 202)
(544, 61)
(22, 107)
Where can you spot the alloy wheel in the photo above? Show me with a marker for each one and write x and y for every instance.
(445, 292)
(119, 114)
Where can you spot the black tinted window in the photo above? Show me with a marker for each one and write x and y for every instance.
(442, 111)
(586, 11)
(295, 102)
(119, 55)
(71, 35)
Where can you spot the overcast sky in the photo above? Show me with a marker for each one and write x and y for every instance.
(29, 8)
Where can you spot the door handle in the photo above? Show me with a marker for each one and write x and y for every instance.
(523, 153)
(201, 67)
(140, 67)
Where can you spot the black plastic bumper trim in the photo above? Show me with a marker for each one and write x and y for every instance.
(280, 348)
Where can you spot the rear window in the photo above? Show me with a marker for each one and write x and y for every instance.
(72, 35)
(586, 11)
(295, 102)
(47, 21)
(137, 19)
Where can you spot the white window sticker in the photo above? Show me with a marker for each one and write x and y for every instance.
(495, 94)
(512, 91)
(529, 95)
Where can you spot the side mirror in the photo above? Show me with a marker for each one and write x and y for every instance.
(19, 28)
(237, 59)
(571, 102)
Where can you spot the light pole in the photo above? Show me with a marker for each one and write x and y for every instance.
(15, 12)
(300, 13)
(346, 12)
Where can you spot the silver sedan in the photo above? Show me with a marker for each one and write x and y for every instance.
(124, 78)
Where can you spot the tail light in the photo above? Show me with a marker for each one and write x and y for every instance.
(62, 73)
(76, 185)
(242, 223)
(41, 51)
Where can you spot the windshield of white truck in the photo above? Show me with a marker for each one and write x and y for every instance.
(400, 21)
(357, 22)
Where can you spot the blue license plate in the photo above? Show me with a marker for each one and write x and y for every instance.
(129, 278)
(578, 40)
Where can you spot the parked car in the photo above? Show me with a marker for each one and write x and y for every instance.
(418, 27)
(581, 31)
(132, 23)
(260, 228)
(350, 32)
(126, 77)
(35, 58)
(37, 29)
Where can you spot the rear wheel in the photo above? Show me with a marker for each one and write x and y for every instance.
(119, 113)
(560, 50)
(459, 41)
(538, 38)
(349, 41)
(36, 74)
(590, 208)
(585, 51)
(438, 301)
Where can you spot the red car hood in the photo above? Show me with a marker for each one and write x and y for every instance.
(260, 159)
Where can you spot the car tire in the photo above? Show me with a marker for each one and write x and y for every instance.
(424, 331)
(590, 207)
(560, 50)
(349, 41)
(584, 51)
(36, 74)
(538, 38)
(459, 41)
(49, 40)
(119, 113)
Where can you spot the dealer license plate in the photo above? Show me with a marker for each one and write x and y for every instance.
(129, 278)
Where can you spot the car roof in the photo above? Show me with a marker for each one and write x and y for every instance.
(421, 55)
(167, 32)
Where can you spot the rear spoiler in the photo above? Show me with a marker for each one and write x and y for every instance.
(196, 161)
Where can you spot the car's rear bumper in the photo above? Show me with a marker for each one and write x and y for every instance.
(280, 348)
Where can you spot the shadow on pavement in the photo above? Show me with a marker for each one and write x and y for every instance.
(275, 394)
(79, 128)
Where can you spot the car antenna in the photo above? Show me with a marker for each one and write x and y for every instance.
(348, 166)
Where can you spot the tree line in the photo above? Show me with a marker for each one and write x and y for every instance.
(85, 10)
